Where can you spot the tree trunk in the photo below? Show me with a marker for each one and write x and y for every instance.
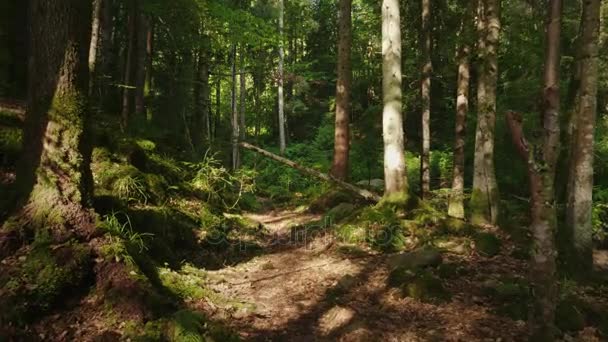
(396, 186)
(339, 167)
(56, 176)
(235, 113)
(242, 96)
(366, 194)
(579, 201)
(128, 70)
(281, 100)
(95, 42)
(485, 196)
(541, 159)
(425, 90)
(141, 64)
(456, 203)
(148, 77)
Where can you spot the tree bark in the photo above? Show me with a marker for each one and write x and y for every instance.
(128, 70)
(366, 194)
(339, 167)
(95, 42)
(55, 177)
(425, 92)
(281, 99)
(485, 196)
(242, 96)
(541, 159)
(456, 202)
(148, 77)
(235, 113)
(141, 64)
(396, 186)
(580, 189)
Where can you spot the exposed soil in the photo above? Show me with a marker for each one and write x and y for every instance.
(308, 290)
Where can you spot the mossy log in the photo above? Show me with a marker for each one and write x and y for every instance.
(366, 194)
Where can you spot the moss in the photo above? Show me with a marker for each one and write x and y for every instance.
(351, 233)
(10, 145)
(395, 200)
(186, 286)
(339, 212)
(42, 277)
(187, 326)
(478, 207)
(487, 244)
(400, 276)
(456, 227)
(425, 287)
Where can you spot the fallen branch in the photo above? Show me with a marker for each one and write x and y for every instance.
(368, 195)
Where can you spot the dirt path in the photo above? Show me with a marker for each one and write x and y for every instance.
(310, 291)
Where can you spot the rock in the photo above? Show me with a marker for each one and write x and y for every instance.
(419, 258)
(426, 288)
(487, 244)
(347, 282)
(330, 200)
(340, 212)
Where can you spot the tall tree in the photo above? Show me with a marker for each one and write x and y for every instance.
(425, 91)
(281, 76)
(580, 182)
(541, 158)
(235, 111)
(343, 89)
(55, 176)
(456, 203)
(242, 96)
(395, 177)
(129, 62)
(141, 63)
(485, 196)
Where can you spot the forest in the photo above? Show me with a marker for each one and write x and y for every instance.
(303, 170)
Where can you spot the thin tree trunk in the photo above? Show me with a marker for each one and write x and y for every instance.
(339, 167)
(128, 70)
(425, 90)
(485, 196)
(148, 77)
(95, 42)
(579, 202)
(366, 194)
(456, 202)
(242, 96)
(218, 107)
(141, 64)
(396, 186)
(281, 100)
(235, 113)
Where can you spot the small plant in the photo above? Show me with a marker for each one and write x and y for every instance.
(131, 189)
(124, 231)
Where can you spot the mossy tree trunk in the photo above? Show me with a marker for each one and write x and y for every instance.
(485, 196)
(339, 168)
(580, 183)
(541, 159)
(395, 177)
(55, 177)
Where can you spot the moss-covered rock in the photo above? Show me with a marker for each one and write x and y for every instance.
(330, 200)
(420, 258)
(487, 244)
(340, 212)
(422, 285)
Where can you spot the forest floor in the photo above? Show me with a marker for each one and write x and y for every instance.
(305, 288)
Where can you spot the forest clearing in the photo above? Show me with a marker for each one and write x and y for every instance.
(303, 170)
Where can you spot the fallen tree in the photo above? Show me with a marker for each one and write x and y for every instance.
(368, 195)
